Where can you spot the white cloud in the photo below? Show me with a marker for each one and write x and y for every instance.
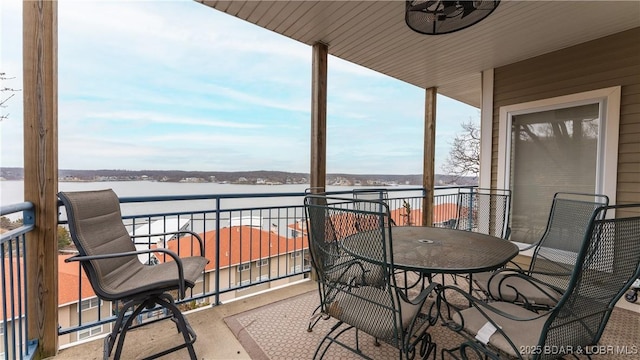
(178, 85)
(154, 117)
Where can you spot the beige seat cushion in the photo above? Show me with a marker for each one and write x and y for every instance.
(523, 334)
(152, 278)
(500, 288)
(349, 271)
(370, 310)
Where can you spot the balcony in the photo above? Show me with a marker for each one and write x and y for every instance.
(254, 242)
(217, 341)
(258, 256)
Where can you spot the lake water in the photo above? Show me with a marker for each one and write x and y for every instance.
(12, 192)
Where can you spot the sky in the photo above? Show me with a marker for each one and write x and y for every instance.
(176, 85)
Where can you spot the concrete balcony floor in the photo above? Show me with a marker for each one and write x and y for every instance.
(215, 340)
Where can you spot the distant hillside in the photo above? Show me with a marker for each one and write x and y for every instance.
(247, 177)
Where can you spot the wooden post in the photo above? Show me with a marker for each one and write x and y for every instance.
(319, 117)
(318, 172)
(40, 89)
(428, 172)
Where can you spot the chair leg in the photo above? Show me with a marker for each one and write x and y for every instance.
(316, 315)
(332, 338)
(127, 326)
(110, 340)
(188, 334)
(163, 300)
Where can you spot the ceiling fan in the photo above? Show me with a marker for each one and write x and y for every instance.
(434, 17)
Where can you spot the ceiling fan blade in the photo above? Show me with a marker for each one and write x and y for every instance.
(423, 5)
(468, 7)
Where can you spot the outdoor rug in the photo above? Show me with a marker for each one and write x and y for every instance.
(278, 331)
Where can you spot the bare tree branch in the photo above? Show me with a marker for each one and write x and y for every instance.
(464, 156)
(4, 98)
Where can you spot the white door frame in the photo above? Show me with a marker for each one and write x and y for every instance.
(607, 163)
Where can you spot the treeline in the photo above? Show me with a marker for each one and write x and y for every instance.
(232, 176)
(64, 238)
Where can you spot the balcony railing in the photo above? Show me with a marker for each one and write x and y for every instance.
(14, 343)
(253, 241)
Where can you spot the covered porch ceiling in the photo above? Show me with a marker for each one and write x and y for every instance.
(373, 34)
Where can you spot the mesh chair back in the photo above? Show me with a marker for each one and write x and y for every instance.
(484, 210)
(325, 249)
(555, 254)
(372, 198)
(360, 301)
(608, 263)
(371, 194)
(95, 224)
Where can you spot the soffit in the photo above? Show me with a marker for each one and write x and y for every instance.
(373, 34)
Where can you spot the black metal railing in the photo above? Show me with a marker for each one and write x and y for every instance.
(445, 205)
(473, 209)
(253, 241)
(14, 343)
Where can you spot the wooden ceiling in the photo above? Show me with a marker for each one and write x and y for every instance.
(373, 34)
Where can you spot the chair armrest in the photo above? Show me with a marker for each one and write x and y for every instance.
(514, 266)
(176, 258)
(422, 296)
(528, 273)
(538, 284)
(480, 304)
(548, 273)
(501, 270)
(448, 309)
(529, 247)
(201, 243)
(343, 269)
(408, 285)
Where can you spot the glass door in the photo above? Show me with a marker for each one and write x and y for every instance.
(551, 151)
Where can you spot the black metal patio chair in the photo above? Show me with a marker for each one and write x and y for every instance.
(484, 210)
(607, 263)
(110, 260)
(343, 269)
(361, 302)
(372, 197)
(554, 255)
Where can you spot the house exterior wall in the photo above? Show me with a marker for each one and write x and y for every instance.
(10, 326)
(606, 62)
(64, 319)
(68, 314)
(229, 277)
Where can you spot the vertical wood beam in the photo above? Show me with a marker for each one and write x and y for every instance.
(40, 89)
(318, 172)
(319, 117)
(428, 172)
(486, 130)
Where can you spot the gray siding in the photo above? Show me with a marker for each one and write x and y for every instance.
(610, 61)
